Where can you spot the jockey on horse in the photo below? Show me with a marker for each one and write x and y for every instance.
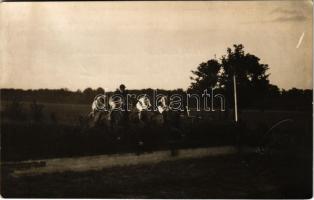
(99, 109)
(147, 114)
(142, 105)
(161, 104)
(119, 106)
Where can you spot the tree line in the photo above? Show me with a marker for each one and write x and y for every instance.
(292, 99)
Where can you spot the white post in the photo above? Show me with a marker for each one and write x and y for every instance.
(187, 111)
(235, 99)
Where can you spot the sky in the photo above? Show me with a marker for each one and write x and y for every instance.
(76, 45)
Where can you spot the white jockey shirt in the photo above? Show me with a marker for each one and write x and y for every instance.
(143, 104)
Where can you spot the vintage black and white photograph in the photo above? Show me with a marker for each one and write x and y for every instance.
(156, 99)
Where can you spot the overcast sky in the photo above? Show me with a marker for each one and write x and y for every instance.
(148, 44)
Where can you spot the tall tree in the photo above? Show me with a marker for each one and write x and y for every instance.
(206, 76)
(251, 76)
(252, 79)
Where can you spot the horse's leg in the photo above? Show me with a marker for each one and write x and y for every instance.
(91, 115)
(109, 114)
(139, 116)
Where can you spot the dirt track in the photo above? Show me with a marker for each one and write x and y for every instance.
(104, 161)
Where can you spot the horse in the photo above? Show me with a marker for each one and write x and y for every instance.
(99, 115)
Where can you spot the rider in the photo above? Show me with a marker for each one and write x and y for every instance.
(143, 104)
(99, 108)
(121, 91)
(162, 105)
(99, 104)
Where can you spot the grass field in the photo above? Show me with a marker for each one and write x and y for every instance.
(64, 113)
